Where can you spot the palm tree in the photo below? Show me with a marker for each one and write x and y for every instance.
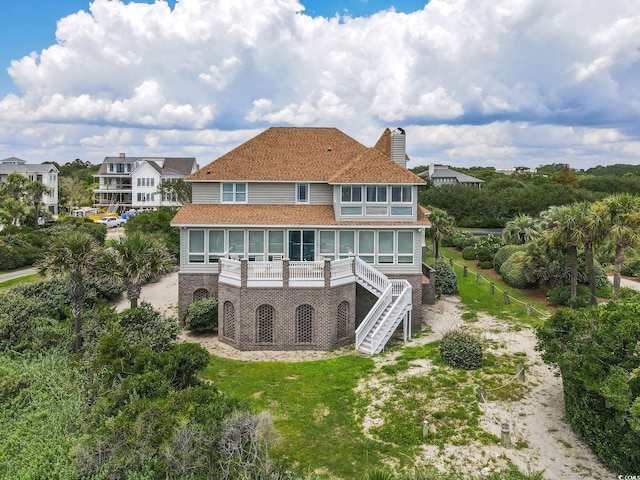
(442, 226)
(521, 229)
(14, 186)
(133, 260)
(75, 255)
(622, 220)
(563, 221)
(34, 191)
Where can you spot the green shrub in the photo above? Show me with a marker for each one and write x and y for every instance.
(596, 350)
(461, 350)
(490, 242)
(457, 240)
(446, 280)
(513, 272)
(202, 315)
(484, 255)
(503, 254)
(486, 265)
(469, 253)
(561, 295)
(469, 242)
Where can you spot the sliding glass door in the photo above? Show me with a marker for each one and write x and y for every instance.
(302, 245)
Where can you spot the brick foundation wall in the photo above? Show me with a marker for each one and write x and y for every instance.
(188, 283)
(285, 301)
(416, 299)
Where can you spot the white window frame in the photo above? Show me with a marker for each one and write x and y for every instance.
(351, 188)
(234, 192)
(193, 257)
(378, 190)
(302, 192)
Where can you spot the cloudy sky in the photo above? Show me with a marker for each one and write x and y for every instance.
(499, 83)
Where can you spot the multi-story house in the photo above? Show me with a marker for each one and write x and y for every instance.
(308, 239)
(132, 182)
(443, 175)
(45, 173)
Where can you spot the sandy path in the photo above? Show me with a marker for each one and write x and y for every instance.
(537, 420)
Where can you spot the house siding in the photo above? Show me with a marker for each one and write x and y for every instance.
(205, 193)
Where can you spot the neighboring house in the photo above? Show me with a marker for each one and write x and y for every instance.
(44, 173)
(308, 239)
(443, 175)
(132, 182)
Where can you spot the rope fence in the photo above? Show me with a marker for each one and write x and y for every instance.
(492, 289)
(481, 391)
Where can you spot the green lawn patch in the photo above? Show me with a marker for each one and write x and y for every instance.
(15, 281)
(313, 407)
(478, 298)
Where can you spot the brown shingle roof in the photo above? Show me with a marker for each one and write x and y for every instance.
(262, 215)
(305, 154)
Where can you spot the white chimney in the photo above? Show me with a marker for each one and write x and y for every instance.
(399, 147)
(122, 155)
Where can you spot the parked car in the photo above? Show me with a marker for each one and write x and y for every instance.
(111, 222)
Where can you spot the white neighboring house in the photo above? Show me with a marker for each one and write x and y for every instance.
(132, 182)
(44, 173)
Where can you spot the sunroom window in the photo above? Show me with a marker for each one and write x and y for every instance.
(405, 247)
(196, 246)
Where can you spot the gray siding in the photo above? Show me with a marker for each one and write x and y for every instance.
(265, 193)
(205, 193)
(321, 194)
(272, 193)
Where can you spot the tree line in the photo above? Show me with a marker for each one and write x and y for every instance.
(504, 196)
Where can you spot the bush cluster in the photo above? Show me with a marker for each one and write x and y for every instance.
(513, 271)
(202, 316)
(561, 295)
(446, 280)
(461, 350)
(597, 351)
(504, 253)
(469, 253)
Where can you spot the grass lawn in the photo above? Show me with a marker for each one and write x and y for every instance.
(478, 298)
(15, 281)
(319, 407)
(313, 405)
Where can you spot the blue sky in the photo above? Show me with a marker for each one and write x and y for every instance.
(500, 83)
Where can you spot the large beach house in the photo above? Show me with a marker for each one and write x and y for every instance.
(309, 240)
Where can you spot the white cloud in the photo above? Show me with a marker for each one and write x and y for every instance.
(147, 77)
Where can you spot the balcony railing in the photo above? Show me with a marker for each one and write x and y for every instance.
(280, 273)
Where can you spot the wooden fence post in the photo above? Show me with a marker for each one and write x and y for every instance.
(465, 271)
(492, 288)
(506, 436)
(506, 298)
(529, 309)
(480, 392)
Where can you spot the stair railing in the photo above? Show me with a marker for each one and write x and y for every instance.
(390, 322)
(370, 275)
(374, 314)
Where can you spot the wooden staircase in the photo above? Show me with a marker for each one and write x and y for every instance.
(392, 307)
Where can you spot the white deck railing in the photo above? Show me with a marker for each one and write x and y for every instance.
(306, 270)
(263, 270)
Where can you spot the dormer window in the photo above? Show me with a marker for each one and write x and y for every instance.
(377, 194)
(351, 194)
(401, 194)
(302, 193)
(234, 193)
